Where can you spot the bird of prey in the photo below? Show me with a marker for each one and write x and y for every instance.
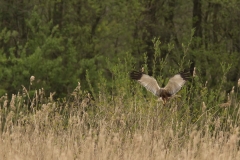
(174, 84)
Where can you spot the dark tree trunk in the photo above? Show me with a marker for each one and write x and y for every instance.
(216, 8)
(206, 30)
(197, 18)
(150, 34)
(170, 24)
(197, 24)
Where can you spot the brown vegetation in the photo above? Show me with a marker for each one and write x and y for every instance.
(130, 129)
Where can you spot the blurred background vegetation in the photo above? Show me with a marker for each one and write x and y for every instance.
(65, 42)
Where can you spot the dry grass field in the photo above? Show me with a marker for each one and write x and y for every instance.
(119, 126)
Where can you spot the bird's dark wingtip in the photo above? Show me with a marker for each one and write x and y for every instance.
(186, 75)
(136, 75)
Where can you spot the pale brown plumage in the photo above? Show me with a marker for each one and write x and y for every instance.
(174, 84)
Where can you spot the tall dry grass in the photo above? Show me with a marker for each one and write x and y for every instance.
(121, 120)
(115, 127)
(30, 143)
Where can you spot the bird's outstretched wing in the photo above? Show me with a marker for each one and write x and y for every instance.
(147, 81)
(176, 82)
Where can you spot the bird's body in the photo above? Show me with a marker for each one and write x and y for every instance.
(174, 84)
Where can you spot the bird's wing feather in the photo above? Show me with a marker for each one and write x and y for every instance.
(176, 82)
(149, 83)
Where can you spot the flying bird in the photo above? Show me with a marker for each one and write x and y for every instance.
(174, 84)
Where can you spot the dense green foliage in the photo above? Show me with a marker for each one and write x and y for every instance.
(63, 42)
(81, 52)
